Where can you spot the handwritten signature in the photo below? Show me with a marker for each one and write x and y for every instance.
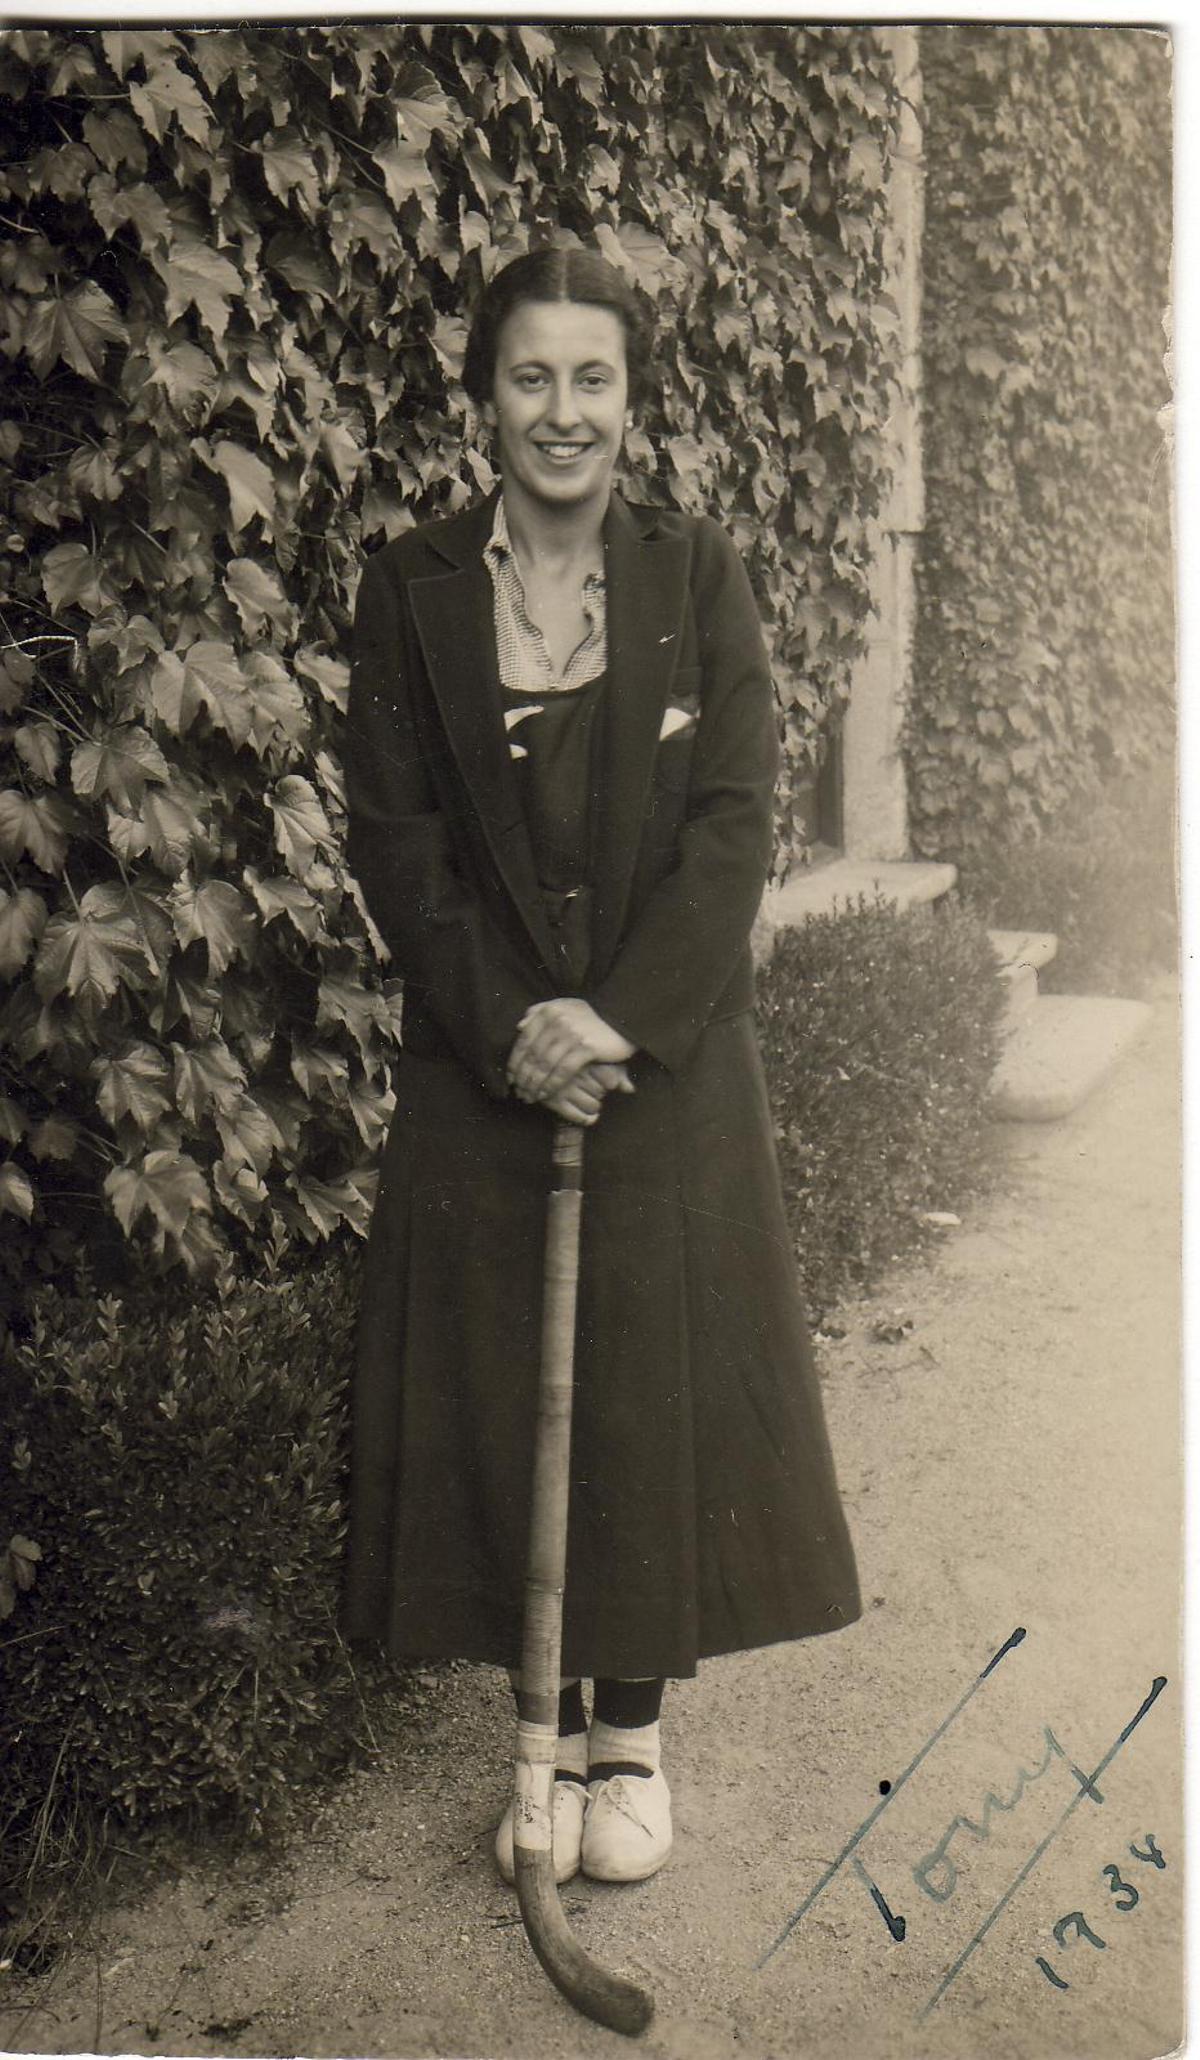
(936, 1874)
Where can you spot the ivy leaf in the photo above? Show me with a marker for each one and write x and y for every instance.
(63, 169)
(16, 1192)
(39, 747)
(206, 1076)
(288, 167)
(317, 1068)
(118, 765)
(301, 824)
(278, 704)
(326, 1203)
(185, 374)
(164, 1184)
(206, 674)
(54, 1138)
(248, 1135)
(35, 824)
(216, 913)
(116, 140)
(22, 920)
(94, 474)
(135, 1084)
(74, 329)
(17, 674)
(239, 1189)
(302, 264)
(89, 954)
(126, 47)
(420, 104)
(13, 1122)
(251, 484)
(331, 676)
(404, 170)
(196, 276)
(175, 832)
(283, 896)
(346, 456)
(688, 456)
(358, 1009)
(866, 161)
(114, 205)
(72, 578)
(258, 597)
(371, 1108)
(170, 95)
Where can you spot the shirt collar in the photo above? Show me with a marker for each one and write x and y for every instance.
(498, 549)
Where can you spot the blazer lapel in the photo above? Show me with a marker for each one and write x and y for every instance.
(453, 612)
(647, 587)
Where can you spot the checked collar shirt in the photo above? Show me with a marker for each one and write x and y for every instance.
(525, 663)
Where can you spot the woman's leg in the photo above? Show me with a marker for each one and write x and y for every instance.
(627, 1830)
(624, 1737)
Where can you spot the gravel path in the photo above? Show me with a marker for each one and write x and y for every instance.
(1010, 1461)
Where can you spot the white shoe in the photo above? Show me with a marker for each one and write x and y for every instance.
(627, 1829)
(570, 1802)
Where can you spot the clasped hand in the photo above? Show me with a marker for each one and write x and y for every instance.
(569, 1058)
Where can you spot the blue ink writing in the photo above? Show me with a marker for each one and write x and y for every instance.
(941, 1889)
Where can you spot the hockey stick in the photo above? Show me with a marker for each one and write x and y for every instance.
(604, 1997)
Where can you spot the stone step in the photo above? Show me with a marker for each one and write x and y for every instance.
(1022, 954)
(1060, 1053)
(1033, 948)
(820, 890)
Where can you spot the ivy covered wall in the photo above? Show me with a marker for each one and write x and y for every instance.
(1044, 646)
(235, 270)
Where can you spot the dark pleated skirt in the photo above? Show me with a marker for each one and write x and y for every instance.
(704, 1513)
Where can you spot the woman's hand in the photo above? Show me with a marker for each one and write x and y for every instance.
(581, 1100)
(555, 1041)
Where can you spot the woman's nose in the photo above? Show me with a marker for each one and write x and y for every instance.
(564, 403)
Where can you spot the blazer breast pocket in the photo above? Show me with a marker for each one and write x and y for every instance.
(677, 731)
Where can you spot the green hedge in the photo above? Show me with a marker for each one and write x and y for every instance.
(1044, 648)
(178, 1467)
(235, 273)
(880, 1037)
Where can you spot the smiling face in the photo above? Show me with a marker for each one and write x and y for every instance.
(558, 402)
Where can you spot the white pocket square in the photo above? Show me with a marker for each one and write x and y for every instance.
(674, 720)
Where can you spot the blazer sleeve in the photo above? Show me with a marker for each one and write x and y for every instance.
(684, 945)
(445, 945)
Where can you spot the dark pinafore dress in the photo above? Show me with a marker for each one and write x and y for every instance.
(552, 741)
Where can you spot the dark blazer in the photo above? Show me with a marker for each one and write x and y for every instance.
(437, 838)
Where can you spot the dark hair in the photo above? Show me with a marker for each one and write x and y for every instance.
(550, 275)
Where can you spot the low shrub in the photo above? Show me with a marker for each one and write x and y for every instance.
(1102, 879)
(880, 1033)
(172, 1504)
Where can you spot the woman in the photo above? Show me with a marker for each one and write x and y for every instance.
(560, 755)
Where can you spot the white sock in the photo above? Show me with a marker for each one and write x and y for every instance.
(571, 1755)
(609, 1742)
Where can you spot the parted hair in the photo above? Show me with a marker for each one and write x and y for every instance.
(550, 275)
